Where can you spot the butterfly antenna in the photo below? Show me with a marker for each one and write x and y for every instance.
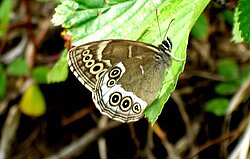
(175, 58)
(168, 29)
(156, 13)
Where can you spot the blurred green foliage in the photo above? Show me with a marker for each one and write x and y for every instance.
(5, 11)
(200, 29)
(234, 78)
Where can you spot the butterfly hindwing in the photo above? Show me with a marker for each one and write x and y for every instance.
(127, 88)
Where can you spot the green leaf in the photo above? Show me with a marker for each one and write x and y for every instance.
(1, 68)
(244, 14)
(228, 15)
(5, 10)
(200, 29)
(132, 20)
(228, 68)
(18, 68)
(236, 30)
(3, 84)
(32, 102)
(126, 20)
(59, 71)
(40, 74)
(185, 14)
(217, 106)
(228, 88)
(74, 13)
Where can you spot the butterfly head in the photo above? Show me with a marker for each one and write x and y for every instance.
(166, 46)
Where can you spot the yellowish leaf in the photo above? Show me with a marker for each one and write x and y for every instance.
(33, 102)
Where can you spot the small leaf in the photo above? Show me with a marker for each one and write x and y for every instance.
(200, 29)
(228, 16)
(236, 30)
(244, 10)
(5, 10)
(33, 102)
(228, 88)
(59, 72)
(18, 68)
(40, 74)
(3, 84)
(1, 68)
(217, 106)
(228, 68)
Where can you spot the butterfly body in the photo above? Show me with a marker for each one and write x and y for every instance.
(124, 76)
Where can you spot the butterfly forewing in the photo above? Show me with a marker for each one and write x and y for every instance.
(89, 61)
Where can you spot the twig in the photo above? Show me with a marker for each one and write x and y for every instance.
(12, 54)
(3, 105)
(242, 149)
(82, 143)
(172, 153)
(135, 139)
(9, 132)
(233, 133)
(102, 141)
(204, 52)
(149, 144)
(78, 115)
(241, 94)
(177, 98)
(203, 74)
(45, 26)
(187, 142)
(33, 47)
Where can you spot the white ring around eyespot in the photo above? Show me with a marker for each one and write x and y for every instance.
(116, 75)
(134, 110)
(111, 85)
(123, 100)
(99, 74)
(90, 57)
(85, 52)
(90, 65)
(92, 71)
(112, 95)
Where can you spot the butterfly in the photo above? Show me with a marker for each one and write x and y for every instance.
(124, 76)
